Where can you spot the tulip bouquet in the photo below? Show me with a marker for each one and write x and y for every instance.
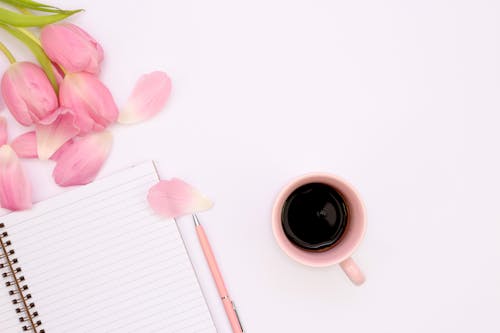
(67, 109)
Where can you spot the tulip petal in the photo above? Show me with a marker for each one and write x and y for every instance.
(3, 131)
(25, 145)
(53, 131)
(173, 198)
(149, 96)
(15, 190)
(63, 148)
(81, 161)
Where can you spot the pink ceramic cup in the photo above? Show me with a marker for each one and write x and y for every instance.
(341, 251)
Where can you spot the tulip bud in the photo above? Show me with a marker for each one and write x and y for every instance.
(72, 48)
(27, 92)
(91, 102)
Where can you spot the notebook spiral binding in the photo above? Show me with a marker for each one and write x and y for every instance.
(18, 289)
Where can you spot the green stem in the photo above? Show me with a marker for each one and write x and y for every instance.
(31, 35)
(7, 53)
(23, 10)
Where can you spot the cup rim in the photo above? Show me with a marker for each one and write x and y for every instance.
(331, 256)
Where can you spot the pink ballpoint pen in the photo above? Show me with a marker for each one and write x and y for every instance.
(232, 315)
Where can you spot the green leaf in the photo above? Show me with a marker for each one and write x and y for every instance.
(37, 50)
(29, 4)
(29, 20)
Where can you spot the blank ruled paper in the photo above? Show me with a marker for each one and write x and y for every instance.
(97, 259)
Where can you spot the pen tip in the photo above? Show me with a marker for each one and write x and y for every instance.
(196, 221)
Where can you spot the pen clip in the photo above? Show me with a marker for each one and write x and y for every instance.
(237, 317)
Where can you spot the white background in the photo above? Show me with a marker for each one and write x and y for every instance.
(399, 97)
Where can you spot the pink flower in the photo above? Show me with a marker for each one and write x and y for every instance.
(90, 101)
(27, 92)
(173, 198)
(80, 162)
(15, 190)
(149, 97)
(72, 48)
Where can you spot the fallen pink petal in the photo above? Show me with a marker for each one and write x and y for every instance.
(149, 97)
(15, 189)
(55, 131)
(27, 92)
(25, 145)
(173, 198)
(72, 48)
(82, 160)
(3, 131)
(90, 100)
(61, 150)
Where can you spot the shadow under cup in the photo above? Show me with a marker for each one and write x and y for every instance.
(342, 248)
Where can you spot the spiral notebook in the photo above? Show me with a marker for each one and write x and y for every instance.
(97, 259)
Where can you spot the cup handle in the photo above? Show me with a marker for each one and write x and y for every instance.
(352, 271)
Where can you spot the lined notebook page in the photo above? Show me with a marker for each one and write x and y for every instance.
(97, 259)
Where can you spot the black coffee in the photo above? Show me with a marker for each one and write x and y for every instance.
(314, 216)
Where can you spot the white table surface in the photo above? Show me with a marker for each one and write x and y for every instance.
(399, 97)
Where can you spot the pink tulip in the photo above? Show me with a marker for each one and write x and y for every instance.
(27, 92)
(25, 145)
(90, 101)
(80, 162)
(174, 198)
(149, 97)
(15, 190)
(72, 48)
(54, 131)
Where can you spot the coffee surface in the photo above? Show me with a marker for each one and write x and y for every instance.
(314, 216)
